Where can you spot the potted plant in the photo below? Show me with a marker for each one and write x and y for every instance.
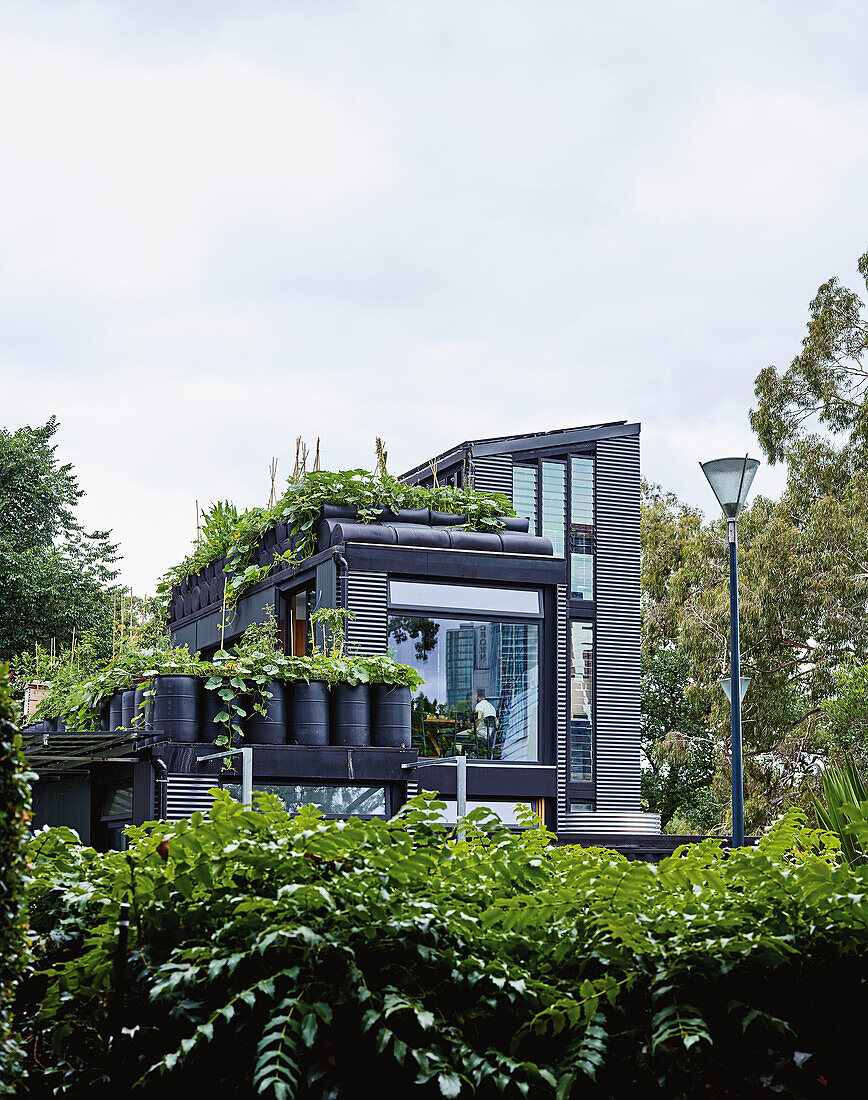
(391, 687)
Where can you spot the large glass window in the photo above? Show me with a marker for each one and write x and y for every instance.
(481, 690)
(340, 801)
(554, 487)
(581, 528)
(580, 763)
(524, 494)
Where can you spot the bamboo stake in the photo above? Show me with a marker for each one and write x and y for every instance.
(272, 469)
(316, 459)
(197, 525)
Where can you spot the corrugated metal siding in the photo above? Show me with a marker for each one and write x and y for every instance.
(603, 822)
(618, 628)
(493, 474)
(187, 793)
(367, 597)
(561, 707)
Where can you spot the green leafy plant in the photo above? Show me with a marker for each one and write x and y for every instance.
(14, 815)
(226, 531)
(845, 810)
(297, 957)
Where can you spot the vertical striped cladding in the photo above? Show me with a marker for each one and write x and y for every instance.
(187, 793)
(493, 474)
(617, 633)
(561, 709)
(367, 594)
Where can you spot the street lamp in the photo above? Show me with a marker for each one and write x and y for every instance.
(730, 480)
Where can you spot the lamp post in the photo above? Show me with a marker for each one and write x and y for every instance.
(730, 480)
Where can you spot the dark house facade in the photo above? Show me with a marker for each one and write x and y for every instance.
(528, 640)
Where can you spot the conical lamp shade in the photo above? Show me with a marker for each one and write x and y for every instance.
(726, 684)
(730, 480)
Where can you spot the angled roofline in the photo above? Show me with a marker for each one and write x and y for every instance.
(530, 441)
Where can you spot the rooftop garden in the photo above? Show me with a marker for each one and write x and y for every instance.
(227, 532)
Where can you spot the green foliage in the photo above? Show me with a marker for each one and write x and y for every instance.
(845, 811)
(14, 813)
(55, 577)
(226, 531)
(825, 384)
(678, 752)
(803, 584)
(845, 714)
(295, 957)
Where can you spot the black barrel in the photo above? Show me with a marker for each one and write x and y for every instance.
(128, 708)
(144, 709)
(176, 707)
(210, 706)
(390, 716)
(61, 726)
(310, 713)
(115, 717)
(51, 725)
(351, 715)
(105, 715)
(268, 728)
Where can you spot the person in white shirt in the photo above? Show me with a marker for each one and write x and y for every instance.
(486, 718)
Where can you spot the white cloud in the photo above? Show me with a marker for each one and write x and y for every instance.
(224, 225)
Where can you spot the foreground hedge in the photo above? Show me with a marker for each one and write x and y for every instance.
(298, 957)
(14, 807)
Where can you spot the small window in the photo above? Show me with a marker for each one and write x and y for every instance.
(554, 487)
(118, 800)
(461, 597)
(575, 807)
(508, 812)
(524, 494)
(580, 763)
(335, 801)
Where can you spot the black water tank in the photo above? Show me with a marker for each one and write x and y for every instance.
(351, 715)
(268, 728)
(176, 707)
(390, 716)
(310, 713)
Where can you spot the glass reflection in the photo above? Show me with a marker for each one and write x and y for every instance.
(554, 487)
(582, 528)
(340, 801)
(581, 746)
(481, 691)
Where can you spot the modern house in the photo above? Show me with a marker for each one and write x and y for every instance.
(528, 640)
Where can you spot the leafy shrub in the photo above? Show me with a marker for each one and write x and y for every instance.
(294, 957)
(14, 807)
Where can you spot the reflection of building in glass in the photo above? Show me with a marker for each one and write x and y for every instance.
(460, 659)
(580, 749)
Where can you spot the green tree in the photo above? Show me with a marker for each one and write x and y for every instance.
(54, 575)
(826, 383)
(677, 748)
(803, 595)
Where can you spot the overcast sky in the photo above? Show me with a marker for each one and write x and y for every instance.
(223, 225)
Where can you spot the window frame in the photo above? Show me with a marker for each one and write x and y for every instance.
(547, 709)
